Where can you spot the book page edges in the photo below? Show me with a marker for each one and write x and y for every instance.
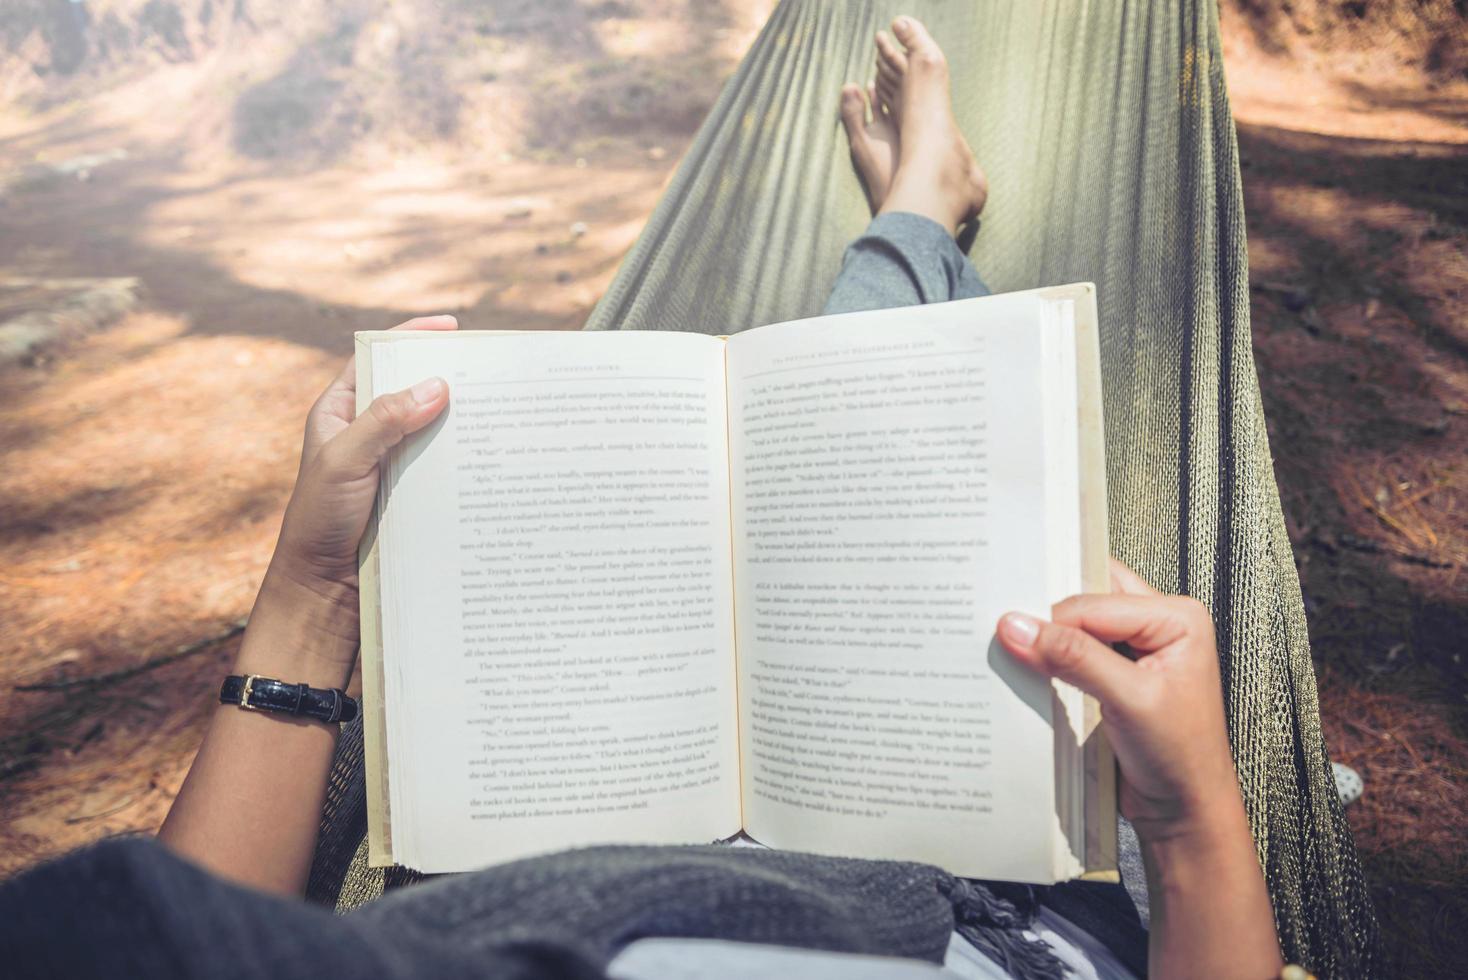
(374, 715)
(1099, 860)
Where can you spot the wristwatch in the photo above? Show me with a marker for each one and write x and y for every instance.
(255, 693)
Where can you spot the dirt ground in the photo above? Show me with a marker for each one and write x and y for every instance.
(273, 199)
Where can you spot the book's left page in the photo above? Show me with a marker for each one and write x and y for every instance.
(556, 599)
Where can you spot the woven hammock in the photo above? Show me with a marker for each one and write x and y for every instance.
(1105, 130)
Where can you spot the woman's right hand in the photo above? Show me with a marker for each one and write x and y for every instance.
(1163, 711)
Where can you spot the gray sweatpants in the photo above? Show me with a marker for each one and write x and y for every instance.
(903, 259)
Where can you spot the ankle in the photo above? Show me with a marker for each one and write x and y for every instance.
(926, 199)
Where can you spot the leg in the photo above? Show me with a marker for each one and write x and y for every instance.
(921, 180)
(902, 259)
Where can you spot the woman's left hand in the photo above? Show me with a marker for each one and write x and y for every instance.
(337, 483)
(252, 801)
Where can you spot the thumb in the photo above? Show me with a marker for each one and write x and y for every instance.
(1069, 654)
(362, 444)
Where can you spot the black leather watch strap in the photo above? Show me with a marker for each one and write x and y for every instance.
(258, 693)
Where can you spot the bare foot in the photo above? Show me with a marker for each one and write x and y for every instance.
(873, 144)
(936, 174)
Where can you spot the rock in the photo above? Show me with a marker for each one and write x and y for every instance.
(79, 307)
(578, 229)
(520, 208)
(42, 174)
(1295, 299)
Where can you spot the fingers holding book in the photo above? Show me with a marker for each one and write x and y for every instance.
(337, 405)
(1163, 710)
(332, 500)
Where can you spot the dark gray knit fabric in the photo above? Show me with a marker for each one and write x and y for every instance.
(128, 907)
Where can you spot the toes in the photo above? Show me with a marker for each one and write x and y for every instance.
(853, 110)
(885, 70)
(890, 55)
(889, 85)
(922, 50)
(888, 92)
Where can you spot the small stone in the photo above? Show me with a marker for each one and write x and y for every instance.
(1295, 300)
(578, 229)
(563, 276)
(1293, 972)
(580, 163)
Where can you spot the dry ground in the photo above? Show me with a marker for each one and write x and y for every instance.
(273, 202)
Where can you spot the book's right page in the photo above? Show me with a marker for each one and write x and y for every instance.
(889, 503)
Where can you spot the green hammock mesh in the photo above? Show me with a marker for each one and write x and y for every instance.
(1105, 129)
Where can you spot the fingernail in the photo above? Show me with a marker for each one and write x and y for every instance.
(427, 391)
(1019, 629)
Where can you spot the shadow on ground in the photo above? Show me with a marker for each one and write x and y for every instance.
(1360, 320)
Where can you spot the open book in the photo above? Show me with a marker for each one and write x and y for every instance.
(657, 587)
